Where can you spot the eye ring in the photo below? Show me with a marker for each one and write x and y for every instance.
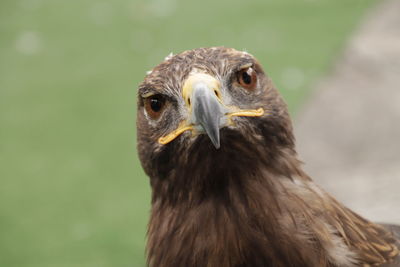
(154, 105)
(247, 78)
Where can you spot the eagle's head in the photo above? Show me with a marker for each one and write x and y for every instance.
(209, 103)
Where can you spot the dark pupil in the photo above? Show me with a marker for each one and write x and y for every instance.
(246, 78)
(156, 104)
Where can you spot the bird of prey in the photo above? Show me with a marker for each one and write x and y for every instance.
(228, 189)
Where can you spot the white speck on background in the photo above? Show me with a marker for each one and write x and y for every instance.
(30, 4)
(101, 13)
(28, 43)
(81, 230)
(142, 40)
(162, 8)
(292, 78)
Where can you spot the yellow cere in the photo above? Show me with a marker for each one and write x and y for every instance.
(194, 78)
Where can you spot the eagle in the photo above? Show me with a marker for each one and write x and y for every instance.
(228, 189)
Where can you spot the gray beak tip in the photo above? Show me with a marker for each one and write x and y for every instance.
(216, 143)
(213, 134)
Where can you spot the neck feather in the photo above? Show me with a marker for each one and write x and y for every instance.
(238, 211)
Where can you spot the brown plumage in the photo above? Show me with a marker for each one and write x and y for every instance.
(216, 140)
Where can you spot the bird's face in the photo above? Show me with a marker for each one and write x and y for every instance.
(199, 93)
(206, 104)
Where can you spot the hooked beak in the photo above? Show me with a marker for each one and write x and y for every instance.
(208, 113)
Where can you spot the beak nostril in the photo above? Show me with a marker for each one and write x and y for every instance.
(216, 93)
(188, 101)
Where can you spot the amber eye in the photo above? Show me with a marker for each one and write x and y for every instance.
(247, 78)
(154, 105)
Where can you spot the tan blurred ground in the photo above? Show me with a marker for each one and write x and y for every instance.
(348, 133)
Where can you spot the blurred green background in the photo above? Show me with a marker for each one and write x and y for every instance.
(72, 192)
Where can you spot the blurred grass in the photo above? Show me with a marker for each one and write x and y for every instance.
(72, 191)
